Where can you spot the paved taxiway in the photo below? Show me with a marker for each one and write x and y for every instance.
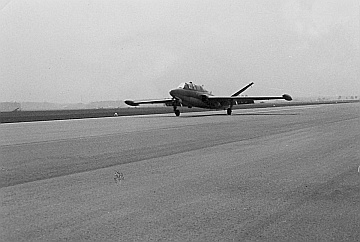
(278, 174)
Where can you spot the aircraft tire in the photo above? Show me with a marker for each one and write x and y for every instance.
(229, 111)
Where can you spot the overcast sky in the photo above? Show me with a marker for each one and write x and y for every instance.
(92, 50)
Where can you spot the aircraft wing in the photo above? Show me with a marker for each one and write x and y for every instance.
(243, 99)
(166, 101)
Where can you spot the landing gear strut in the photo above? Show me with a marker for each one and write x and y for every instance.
(229, 111)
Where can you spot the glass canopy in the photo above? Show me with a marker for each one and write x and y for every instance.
(191, 86)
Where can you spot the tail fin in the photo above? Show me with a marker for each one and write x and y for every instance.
(242, 90)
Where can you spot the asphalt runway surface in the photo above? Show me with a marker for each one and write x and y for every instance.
(274, 174)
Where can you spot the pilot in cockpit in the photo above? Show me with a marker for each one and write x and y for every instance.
(191, 86)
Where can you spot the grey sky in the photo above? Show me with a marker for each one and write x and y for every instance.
(88, 50)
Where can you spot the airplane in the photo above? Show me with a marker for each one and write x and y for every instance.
(192, 95)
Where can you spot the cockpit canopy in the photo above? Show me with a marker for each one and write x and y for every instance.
(191, 86)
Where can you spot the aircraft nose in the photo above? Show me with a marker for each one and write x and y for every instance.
(172, 92)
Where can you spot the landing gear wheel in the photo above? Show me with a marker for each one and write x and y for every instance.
(177, 112)
(229, 111)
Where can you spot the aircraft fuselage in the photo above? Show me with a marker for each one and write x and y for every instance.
(191, 98)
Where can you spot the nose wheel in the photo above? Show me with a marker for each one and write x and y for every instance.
(175, 103)
(229, 111)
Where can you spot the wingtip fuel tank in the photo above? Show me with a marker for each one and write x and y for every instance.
(131, 103)
(287, 97)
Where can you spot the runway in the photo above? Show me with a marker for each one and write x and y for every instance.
(274, 174)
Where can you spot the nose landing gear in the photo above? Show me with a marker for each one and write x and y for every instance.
(228, 111)
(175, 104)
(176, 111)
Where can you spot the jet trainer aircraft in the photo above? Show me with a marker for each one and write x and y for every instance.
(192, 95)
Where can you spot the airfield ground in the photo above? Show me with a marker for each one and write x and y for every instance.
(273, 174)
(48, 115)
